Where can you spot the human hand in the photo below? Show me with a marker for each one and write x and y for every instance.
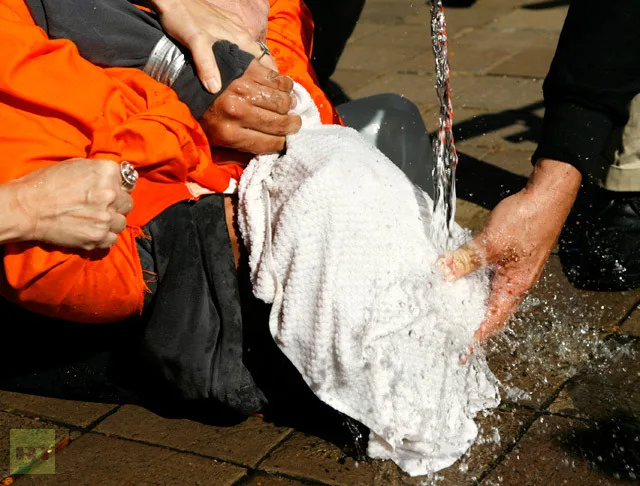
(251, 115)
(517, 240)
(77, 203)
(198, 24)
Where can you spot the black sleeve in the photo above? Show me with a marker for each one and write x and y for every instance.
(593, 77)
(113, 33)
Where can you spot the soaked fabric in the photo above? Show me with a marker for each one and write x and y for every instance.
(191, 344)
(339, 242)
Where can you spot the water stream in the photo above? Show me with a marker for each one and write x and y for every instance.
(445, 156)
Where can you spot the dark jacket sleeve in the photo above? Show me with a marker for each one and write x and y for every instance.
(593, 77)
(112, 33)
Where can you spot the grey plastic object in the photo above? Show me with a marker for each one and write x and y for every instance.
(394, 125)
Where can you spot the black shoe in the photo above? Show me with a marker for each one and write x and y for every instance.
(600, 243)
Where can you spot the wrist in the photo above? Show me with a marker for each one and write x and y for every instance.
(555, 180)
(18, 223)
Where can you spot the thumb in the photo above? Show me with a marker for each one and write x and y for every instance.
(463, 261)
(206, 66)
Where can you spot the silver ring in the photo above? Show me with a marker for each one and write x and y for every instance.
(264, 48)
(129, 175)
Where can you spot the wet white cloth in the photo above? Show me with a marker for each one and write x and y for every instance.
(339, 242)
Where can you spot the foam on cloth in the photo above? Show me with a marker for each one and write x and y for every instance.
(339, 242)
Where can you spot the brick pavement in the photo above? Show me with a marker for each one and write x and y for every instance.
(559, 378)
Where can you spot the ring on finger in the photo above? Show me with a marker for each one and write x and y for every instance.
(129, 175)
(265, 50)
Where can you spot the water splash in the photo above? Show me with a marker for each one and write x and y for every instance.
(445, 155)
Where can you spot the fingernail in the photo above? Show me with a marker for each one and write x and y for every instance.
(213, 85)
(445, 269)
(294, 102)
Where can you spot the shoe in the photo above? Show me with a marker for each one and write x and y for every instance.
(599, 246)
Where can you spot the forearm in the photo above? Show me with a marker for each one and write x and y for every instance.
(14, 225)
(554, 184)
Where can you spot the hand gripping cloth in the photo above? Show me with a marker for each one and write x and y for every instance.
(339, 242)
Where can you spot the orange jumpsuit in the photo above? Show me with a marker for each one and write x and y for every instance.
(54, 105)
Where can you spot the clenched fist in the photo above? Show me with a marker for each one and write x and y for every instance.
(252, 114)
(78, 203)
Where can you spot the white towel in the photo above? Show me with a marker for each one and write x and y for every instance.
(339, 242)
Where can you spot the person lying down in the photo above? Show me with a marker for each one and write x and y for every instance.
(339, 241)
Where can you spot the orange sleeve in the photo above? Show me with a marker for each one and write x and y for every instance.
(290, 39)
(55, 105)
(70, 108)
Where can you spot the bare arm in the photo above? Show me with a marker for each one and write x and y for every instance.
(517, 239)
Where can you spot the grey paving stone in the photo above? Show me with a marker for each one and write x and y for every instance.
(390, 13)
(350, 79)
(483, 183)
(71, 412)
(418, 89)
(459, 21)
(609, 388)
(381, 59)
(499, 37)
(264, 479)
(490, 94)
(9, 422)
(556, 451)
(363, 29)
(550, 19)
(500, 130)
(555, 334)
(471, 216)
(563, 405)
(470, 59)
(245, 443)
(631, 326)
(495, 93)
(307, 457)
(497, 432)
(533, 62)
(466, 59)
(516, 162)
(401, 36)
(96, 460)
